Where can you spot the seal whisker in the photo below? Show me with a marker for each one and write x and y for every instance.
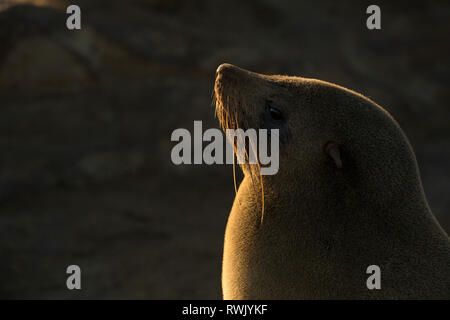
(254, 150)
(234, 168)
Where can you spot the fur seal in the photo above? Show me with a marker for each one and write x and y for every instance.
(347, 195)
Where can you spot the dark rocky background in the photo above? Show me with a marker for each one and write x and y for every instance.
(86, 118)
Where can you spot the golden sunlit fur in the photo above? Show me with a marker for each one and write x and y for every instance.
(329, 212)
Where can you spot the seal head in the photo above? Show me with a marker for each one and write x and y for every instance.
(347, 195)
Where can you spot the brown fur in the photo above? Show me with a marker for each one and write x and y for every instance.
(324, 225)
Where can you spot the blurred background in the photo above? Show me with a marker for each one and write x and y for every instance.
(86, 118)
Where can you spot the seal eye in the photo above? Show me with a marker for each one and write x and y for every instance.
(275, 113)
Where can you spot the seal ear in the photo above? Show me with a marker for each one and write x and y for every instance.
(333, 151)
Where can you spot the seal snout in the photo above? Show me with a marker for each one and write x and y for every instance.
(230, 85)
(228, 80)
(229, 72)
(226, 89)
(227, 76)
(225, 69)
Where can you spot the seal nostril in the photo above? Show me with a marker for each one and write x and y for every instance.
(226, 70)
